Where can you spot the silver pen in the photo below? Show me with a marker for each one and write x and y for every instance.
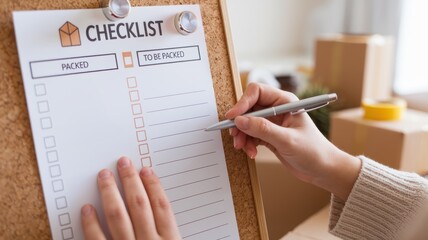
(304, 105)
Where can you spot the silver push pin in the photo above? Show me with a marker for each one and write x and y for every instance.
(186, 22)
(116, 9)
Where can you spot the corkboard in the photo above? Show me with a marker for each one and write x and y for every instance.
(22, 208)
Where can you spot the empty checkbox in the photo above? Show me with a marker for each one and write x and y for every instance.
(55, 170)
(46, 123)
(136, 109)
(146, 162)
(52, 156)
(61, 203)
(139, 122)
(141, 136)
(134, 96)
(40, 89)
(132, 82)
(67, 233)
(144, 149)
(43, 106)
(57, 185)
(49, 142)
(64, 219)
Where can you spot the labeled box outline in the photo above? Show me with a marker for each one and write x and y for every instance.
(64, 219)
(128, 61)
(46, 123)
(139, 122)
(143, 149)
(140, 64)
(141, 136)
(43, 106)
(49, 142)
(136, 109)
(57, 185)
(61, 202)
(55, 170)
(40, 89)
(67, 233)
(52, 156)
(134, 96)
(132, 82)
(34, 63)
(146, 162)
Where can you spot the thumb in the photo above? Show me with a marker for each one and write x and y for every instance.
(263, 129)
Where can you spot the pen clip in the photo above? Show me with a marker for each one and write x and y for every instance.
(310, 109)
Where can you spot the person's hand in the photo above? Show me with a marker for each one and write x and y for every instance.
(145, 212)
(294, 139)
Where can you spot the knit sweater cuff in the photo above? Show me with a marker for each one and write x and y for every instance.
(381, 202)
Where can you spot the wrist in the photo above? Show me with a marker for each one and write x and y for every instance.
(342, 170)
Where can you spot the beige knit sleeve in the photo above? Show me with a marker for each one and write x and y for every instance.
(381, 203)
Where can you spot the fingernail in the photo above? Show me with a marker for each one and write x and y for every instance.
(243, 122)
(124, 162)
(104, 174)
(230, 131)
(146, 171)
(86, 210)
(227, 113)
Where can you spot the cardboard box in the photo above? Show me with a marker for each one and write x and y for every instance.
(287, 200)
(313, 228)
(401, 144)
(355, 67)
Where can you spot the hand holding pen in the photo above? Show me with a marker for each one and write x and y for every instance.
(293, 138)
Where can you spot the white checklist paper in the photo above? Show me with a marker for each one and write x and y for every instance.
(97, 90)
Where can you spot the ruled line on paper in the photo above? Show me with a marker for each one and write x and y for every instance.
(201, 206)
(197, 194)
(200, 219)
(185, 145)
(178, 120)
(177, 107)
(228, 236)
(190, 183)
(206, 230)
(175, 94)
(177, 133)
(185, 158)
(190, 170)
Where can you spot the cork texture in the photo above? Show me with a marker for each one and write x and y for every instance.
(22, 208)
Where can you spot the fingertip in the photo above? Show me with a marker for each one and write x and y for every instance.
(240, 140)
(146, 172)
(86, 210)
(123, 162)
(233, 132)
(251, 149)
(104, 174)
(242, 122)
(228, 113)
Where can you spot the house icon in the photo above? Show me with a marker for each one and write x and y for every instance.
(69, 35)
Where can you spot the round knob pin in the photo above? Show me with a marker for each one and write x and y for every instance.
(186, 22)
(116, 9)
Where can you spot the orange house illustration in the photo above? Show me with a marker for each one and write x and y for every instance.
(69, 35)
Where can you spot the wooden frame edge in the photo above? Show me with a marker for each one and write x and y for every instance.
(258, 200)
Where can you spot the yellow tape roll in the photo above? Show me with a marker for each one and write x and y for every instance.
(387, 110)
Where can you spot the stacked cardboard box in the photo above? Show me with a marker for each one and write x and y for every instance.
(354, 66)
(401, 144)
